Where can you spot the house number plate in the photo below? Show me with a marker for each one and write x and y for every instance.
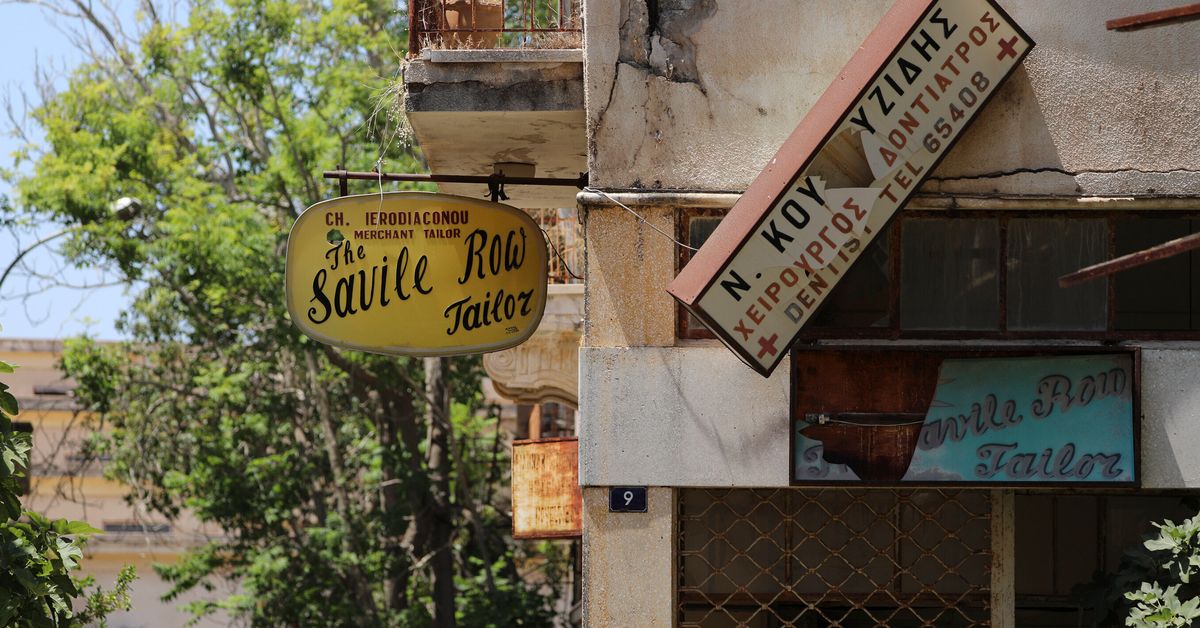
(627, 499)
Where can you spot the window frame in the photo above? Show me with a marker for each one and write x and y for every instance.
(894, 331)
(683, 222)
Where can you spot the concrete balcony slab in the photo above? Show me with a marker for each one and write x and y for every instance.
(470, 109)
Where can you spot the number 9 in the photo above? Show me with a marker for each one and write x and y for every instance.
(628, 497)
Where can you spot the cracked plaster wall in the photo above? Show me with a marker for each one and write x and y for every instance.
(698, 94)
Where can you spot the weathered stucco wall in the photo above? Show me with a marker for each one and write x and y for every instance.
(695, 416)
(471, 109)
(700, 94)
(1170, 406)
(691, 416)
(628, 264)
(697, 94)
(628, 562)
(494, 80)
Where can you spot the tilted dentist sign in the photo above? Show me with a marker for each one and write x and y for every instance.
(875, 134)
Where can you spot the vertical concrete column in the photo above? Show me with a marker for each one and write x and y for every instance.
(1004, 563)
(628, 558)
(628, 561)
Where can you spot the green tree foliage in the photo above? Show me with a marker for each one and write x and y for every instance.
(1155, 607)
(350, 488)
(1173, 557)
(37, 555)
(1155, 585)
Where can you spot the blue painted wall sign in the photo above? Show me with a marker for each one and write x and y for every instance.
(1028, 420)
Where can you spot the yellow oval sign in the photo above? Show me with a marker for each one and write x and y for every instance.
(410, 273)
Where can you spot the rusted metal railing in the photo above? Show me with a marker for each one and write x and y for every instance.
(565, 235)
(457, 24)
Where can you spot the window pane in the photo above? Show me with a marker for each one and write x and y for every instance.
(1040, 250)
(1193, 278)
(1158, 295)
(699, 228)
(860, 299)
(949, 274)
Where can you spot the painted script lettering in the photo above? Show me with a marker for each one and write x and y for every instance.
(351, 292)
(1054, 395)
(359, 287)
(999, 462)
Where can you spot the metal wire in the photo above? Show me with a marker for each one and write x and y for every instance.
(563, 261)
(833, 557)
(639, 217)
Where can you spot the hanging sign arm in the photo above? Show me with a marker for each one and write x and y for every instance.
(492, 180)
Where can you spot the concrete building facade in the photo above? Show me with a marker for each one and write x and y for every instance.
(686, 102)
(1086, 152)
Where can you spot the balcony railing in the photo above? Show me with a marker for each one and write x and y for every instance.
(565, 233)
(458, 24)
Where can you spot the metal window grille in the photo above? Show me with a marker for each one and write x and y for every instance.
(833, 557)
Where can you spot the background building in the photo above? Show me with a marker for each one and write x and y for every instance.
(68, 483)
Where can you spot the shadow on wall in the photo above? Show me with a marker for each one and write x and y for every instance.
(1170, 400)
(1008, 149)
(1091, 111)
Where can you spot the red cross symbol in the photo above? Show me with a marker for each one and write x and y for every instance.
(1007, 48)
(768, 345)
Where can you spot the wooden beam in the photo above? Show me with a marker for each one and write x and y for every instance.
(1132, 260)
(1155, 18)
(1004, 563)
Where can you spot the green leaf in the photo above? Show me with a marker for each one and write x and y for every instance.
(1159, 544)
(81, 527)
(11, 458)
(10, 503)
(69, 553)
(60, 605)
(8, 403)
(38, 520)
(27, 580)
(5, 367)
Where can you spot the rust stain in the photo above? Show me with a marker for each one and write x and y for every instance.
(547, 501)
(876, 453)
(893, 388)
(865, 381)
